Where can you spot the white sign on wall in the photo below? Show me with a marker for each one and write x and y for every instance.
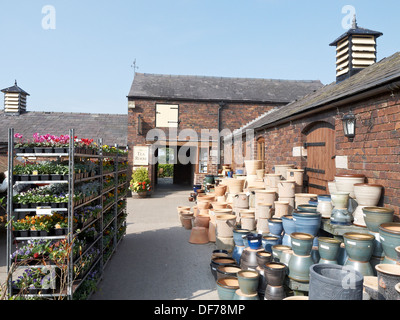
(140, 156)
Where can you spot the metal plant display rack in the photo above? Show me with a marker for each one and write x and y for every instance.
(117, 223)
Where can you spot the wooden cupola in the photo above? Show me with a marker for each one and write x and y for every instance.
(14, 100)
(355, 50)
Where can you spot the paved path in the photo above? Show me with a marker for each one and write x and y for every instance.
(155, 261)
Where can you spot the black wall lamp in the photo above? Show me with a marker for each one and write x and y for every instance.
(349, 125)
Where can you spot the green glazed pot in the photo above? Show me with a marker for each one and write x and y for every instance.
(359, 246)
(226, 288)
(301, 243)
(239, 295)
(328, 248)
(375, 216)
(389, 234)
(248, 281)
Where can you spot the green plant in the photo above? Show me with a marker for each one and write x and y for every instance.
(140, 175)
(165, 170)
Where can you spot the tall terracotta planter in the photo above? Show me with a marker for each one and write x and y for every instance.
(225, 225)
(235, 185)
(265, 196)
(220, 190)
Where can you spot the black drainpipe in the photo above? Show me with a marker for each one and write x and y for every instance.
(220, 106)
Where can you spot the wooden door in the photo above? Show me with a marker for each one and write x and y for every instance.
(320, 145)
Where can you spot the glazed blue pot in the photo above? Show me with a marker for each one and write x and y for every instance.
(302, 243)
(238, 236)
(226, 288)
(288, 224)
(328, 249)
(306, 222)
(307, 208)
(237, 253)
(275, 226)
(268, 241)
(254, 241)
(359, 246)
(389, 234)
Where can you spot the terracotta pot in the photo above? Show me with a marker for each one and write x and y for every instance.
(265, 196)
(199, 235)
(187, 223)
(286, 189)
(202, 220)
(248, 222)
(271, 180)
(367, 194)
(219, 205)
(220, 190)
(346, 182)
(263, 210)
(225, 225)
(211, 231)
(206, 197)
(281, 209)
(252, 195)
(282, 169)
(203, 212)
(219, 212)
(295, 175)
(241, 200)
(180, 209)
(235, 185)
(291, 202)
(252, 166)
(303, 198)
(203, 204)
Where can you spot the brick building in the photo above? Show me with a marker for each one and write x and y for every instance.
(309, 133)
(183, 106)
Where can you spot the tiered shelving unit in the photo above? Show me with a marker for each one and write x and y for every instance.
(106, 228)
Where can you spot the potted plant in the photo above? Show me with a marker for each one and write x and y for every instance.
(140, 183)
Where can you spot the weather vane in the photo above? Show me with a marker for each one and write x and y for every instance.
(134, 66)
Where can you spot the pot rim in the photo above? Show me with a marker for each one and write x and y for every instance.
(268, 264)
(278, 220)
(226, 217)
(388, 269)
(233, 261)
(302, 236)
(358, 236)
(282, 202)
(306, 195)
(397, 249)
(328, 239)
(270, 238)
(222, 267)
(350, 175)
(263, 254)
(221, 281)
(265, 191)
(378, 209)
(331, 281)
(367, 185)
(242, 272)
(383, 227)
(281, 247)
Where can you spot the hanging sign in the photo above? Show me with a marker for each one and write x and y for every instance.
(140, 156)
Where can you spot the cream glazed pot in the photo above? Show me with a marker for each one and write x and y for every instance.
(367, 195)
(346, 182)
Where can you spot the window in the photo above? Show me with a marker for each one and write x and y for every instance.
(203, 160)
(261, 149)
(167, 115)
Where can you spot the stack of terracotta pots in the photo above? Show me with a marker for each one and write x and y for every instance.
(225, 223)
(264, 208)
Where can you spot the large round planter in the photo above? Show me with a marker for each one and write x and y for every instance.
(328, 249)
(334, 282)
(268, 241)
(346, 182)
(274, 293)
(226, 288)
(248, 281)
(199, 235)
(275, 273)
(248, 260)
(286, 189)
(225, 225)
(367, 194)
(277, 251)
(267, 196)
(220, 190)
(238, 236)
(282, 169)
(275, 226)
(241, 200)
(389, 234)
(375, 216)
(219, 205)
(307, 222)
(302, 243)
(248, 222)
(235, 185)
(359, 246)
(203, 204)
(288, 224)
(388, 278)
(202, 220)
(252, 166)
(299, 267)
(227, 271)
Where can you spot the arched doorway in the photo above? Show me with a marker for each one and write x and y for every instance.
(320, 145)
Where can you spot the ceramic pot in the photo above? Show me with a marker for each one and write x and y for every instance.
(238, 236)
(263, 257)
(263, 210)
(308, 223)
(219, 205)
(286, 255)
(225, 243)
(265, 196)
(303, 198)
(291, 206)
(260, 174)
(248, 260)
(341, 217)
(359, 248)
(220, 212)
(187, 223)
(324, 206)
(199, 235)
(277, 251)
(239, 295)
(206, 204)
(346, 182)
(388, 278)
(235, 185)
(307, 208)
(226, 288)
(275, 273)
(281, 208)
(299, 267)
(389, 234)
(220, 261)
(295, 175)
(328, 249)
(219, 254)
(275, 226)
(237, 253)
(274, 293)
(262, 225)
(241, 200)
(375, 216)
(282, 169)
(206, 197)
(297, 298)
(397, 249)
(248, 281)
(326, 283)
(229, 271)
(254, 241)
(220, 190)
(269, 241)
(248, 222)
(302, 243)
(212, 231)
(286, 189)
(225, 225)
(202, 220)
(340, 200)
(252, 166)
(179, 210)
(271, 180)
(367, 194)
(252, 195)
(289, 227)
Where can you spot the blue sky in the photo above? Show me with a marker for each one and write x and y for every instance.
(84, 64)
